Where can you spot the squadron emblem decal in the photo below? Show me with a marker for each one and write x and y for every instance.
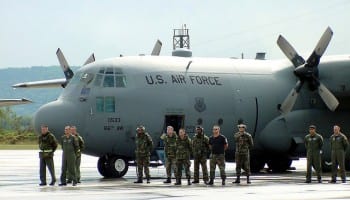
(199, 105)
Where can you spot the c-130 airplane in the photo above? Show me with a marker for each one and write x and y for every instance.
(107, 99)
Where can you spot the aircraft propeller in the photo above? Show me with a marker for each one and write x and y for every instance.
(307, 72)
(156, 49)
(68, 73)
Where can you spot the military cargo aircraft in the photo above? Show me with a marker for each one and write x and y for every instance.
(107, 99)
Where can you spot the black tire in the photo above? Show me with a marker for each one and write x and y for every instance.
(279, 165)
(103, 167)
(118, 166)
(257, 164)
(326, 165)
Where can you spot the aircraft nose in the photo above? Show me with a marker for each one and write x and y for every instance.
(57, 115)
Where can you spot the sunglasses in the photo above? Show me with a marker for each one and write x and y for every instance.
(241, 127)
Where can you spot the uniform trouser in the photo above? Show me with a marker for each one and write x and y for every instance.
(143, 164)
(338, 158)
(170, 164)
(202, 161)
(77, 170)
(242, 162)
(313, 160)
(68, 164)
(186, 163)
(50, 165)
(217, 159)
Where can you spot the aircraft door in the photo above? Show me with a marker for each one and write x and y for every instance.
(176, 121)
(247, 113)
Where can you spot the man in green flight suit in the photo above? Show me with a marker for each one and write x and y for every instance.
(313, 144)
(183, 153)
(339, 143)
(144, 145)
(244, 142)
(78, 156)
(200, 148)
(70, 148)
(170, 152)
(47, 145)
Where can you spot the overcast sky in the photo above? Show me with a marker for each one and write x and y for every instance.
(32, 30)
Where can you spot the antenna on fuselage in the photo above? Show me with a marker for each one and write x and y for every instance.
(181, 42)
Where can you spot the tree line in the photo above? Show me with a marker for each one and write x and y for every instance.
(15, 129)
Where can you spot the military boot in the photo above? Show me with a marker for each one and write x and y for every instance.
(238, 180)
(139, 180)
(211, 182)
(178, 181)
(189, 181)
(168, 180)
(195, 181)
(248, 180)
(223, 182)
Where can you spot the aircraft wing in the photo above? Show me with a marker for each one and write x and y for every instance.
(41, 84)
(10, 102)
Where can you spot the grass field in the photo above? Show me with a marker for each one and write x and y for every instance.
(18, 146)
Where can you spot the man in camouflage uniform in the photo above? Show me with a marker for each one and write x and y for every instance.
(78, 158)
(183, 153)
(339, 143)
(200, 148)
(218, 145)
(70, 148)
(47, 145)
(170, 152)
(144, 145)
(244, 142)
(313, 144)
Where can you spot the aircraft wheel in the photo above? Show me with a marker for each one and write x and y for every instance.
(103, 167)
(326, 165)
(279, 165)
(256, 164)
(347, 164)
(118, 166)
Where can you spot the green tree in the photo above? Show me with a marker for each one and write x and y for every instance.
(15, 129)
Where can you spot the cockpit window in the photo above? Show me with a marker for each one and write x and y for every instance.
(110, 77)
(108, 81)
(120, 81)
(109, 70)
(98, 80)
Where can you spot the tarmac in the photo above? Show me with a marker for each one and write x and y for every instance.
(19, 179)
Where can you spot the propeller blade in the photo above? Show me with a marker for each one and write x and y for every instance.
(68, 73)
(91, 59)
(289, 102)
(290, 52)
(156, 49)
(329, 99)
(320, 48)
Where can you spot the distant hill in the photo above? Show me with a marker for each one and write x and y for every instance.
(11, 76)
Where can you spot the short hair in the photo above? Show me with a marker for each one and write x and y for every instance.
(312, 126)
(216, 126)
